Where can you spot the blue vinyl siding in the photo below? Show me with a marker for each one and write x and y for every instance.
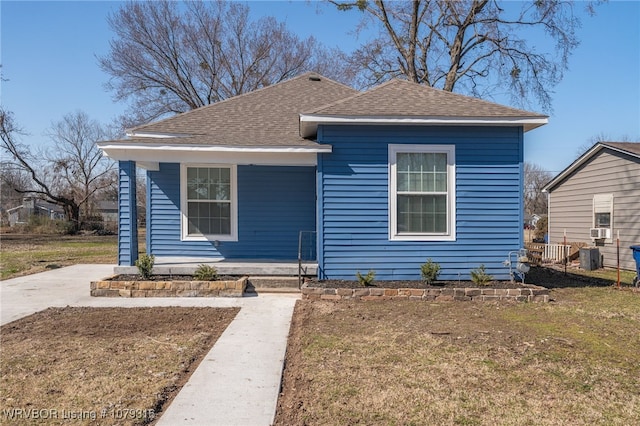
(274, 204)
(353, 202)
(127, 214)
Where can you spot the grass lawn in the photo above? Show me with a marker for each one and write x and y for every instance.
(102, 365)
(24, 254)
(574, 361)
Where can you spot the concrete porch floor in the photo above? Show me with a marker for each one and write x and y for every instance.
(259, 267)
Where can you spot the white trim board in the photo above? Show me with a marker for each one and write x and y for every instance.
(202, 154)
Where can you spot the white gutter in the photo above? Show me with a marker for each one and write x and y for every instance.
(151, 155)
(107, 146)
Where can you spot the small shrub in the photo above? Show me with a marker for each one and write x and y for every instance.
(480, 277)
(145, 265)
(366, 280)
(92, 223)
(430, 271)
(206, 273)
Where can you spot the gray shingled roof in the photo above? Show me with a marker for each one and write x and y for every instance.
(630, 147)
(401, 98)
(270, 117)
(265, 117)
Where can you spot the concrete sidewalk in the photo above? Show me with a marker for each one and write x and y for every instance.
(238, 381)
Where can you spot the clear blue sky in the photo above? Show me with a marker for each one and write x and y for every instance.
(48, 55)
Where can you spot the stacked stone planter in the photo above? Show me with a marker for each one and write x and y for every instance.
(529, 293)
(112, 287)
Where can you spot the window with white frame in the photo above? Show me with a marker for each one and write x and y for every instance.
(422, 192)
(602, 210)
(209, 202)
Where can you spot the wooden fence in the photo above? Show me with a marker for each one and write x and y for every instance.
(553, 253)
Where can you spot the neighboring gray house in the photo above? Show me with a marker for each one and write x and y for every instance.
(597, 197)
(108, 210)
(33, 207)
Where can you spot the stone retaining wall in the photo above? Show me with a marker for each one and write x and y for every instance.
(113, 288)
(529, 294)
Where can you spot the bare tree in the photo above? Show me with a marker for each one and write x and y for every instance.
(11, 177)
(469, 46)
(67, 176)
(535, 178)
(171, 57)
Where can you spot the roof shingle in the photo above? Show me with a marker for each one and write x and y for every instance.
(401, 98)
(270, 117)
(630, 147)
(265, 117)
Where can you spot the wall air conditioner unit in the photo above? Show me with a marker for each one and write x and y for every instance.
(600, 233)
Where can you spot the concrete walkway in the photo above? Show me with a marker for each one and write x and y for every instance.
(238, 381)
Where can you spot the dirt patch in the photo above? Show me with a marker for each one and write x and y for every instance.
(411, 284)
(400, 362)
(115, 365)
(540, 276)
(137, 277)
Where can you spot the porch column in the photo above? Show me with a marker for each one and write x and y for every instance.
(127, 214)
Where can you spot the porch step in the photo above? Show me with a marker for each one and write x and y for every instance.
(187, 266)
(272, 285)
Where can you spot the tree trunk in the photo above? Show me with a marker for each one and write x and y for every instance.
(72, 212)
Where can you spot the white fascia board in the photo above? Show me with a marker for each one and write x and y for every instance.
(105, 146)
(309, 122)
(157, 153)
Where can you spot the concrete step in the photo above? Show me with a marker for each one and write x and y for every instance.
(268, 284)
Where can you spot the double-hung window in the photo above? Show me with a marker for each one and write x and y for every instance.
(603, 213)
(422, 192)
(209, 202)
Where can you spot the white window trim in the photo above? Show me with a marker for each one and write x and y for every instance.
(603, 203)
(450, 150)
(184, 222)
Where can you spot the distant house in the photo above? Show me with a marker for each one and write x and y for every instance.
(108, 210)
(32, 206)
(531, 220)
(385, 178)
(597, 197)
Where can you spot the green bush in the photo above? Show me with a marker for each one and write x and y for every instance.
(145, 265)
(206, 273)
(366, 280)
(430, 271)
(480, 277)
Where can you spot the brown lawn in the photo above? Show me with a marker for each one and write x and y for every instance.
(574, 361)
(115, 365)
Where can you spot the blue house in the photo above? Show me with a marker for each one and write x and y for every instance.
(384, 178)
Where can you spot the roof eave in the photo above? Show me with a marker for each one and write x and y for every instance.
(155, 153)
(130, 145)
(309, 122)
(599, 146)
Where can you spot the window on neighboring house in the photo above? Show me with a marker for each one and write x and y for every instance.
(422, 192)
(602, 210)
(209, 203)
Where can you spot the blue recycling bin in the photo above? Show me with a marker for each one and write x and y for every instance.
(636, 257)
